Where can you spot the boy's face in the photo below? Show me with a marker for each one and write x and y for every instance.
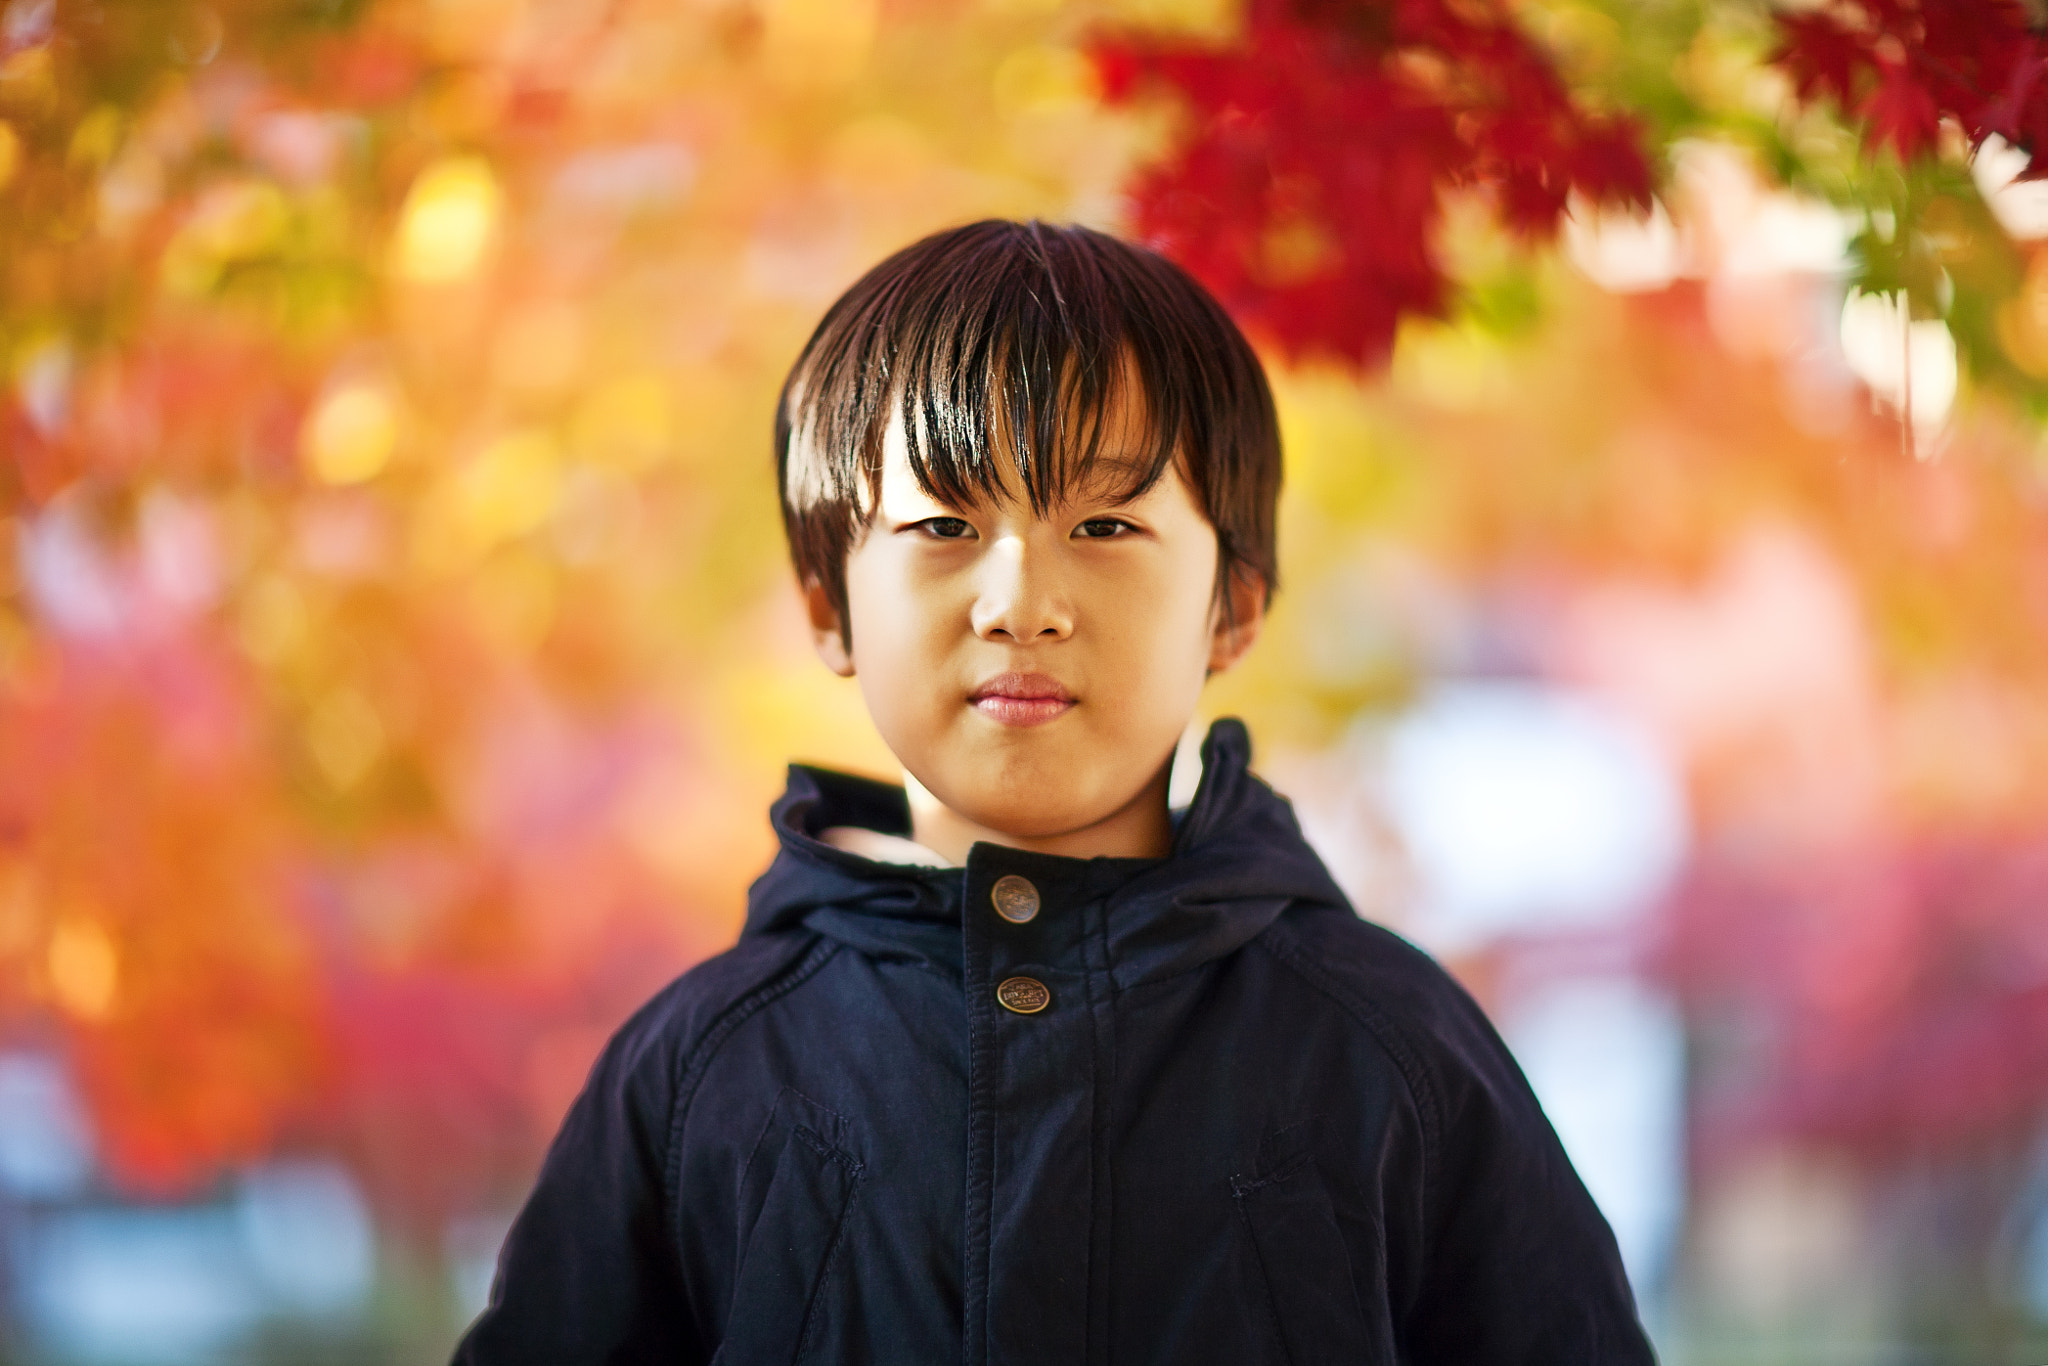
(1034, 673)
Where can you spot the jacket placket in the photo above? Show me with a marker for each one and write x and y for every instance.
(1035, 1278)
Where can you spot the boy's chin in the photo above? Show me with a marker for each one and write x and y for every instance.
(1028, 815)
(1033, 823)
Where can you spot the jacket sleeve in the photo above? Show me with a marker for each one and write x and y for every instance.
(1498, 1254)
(588, 1273)
(1519, 1266)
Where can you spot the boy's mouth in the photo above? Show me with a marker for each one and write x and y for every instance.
(1016, 699)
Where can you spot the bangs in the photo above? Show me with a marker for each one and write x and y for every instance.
(1017, 390)
(1010, 370)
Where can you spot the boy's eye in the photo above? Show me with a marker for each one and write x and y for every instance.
(1103, 528)
(946, 528)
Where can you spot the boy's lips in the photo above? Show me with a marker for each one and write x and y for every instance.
(1019, 699)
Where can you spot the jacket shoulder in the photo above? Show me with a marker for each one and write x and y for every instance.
(1366, 960)
(646, 1075)
(686, 1020)
(1435, 1033)
(1506, 1221)
(588, 1270)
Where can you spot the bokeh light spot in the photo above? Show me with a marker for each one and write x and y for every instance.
(449, 218)
(345, 737)
(1039, 80)
(627, 422)
(2023, 321)
(10, 153)
(273, 622)
(510, 489)
(84, 968)
(97, 136)
(817, 42)
(350, 436)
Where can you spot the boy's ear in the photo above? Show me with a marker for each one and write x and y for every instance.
(828, 636)
(1232, 633)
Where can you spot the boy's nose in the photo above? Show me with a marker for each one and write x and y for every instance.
(1018, 598)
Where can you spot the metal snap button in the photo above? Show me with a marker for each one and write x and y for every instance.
(1016, 900)
(1025, 995)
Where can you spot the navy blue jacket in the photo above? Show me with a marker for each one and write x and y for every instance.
(1192, 1109)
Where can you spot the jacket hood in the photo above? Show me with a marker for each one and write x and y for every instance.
(1238, 861)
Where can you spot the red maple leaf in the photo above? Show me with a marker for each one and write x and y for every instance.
(1900, 111)
(1901, 67)
(1824, 60)
(1308, 192)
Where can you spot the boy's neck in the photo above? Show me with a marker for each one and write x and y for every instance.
(1140, 828)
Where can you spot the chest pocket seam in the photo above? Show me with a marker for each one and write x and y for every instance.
(1240, 1188)
(810, 1138)
(1303, 1265)
(796, 1238)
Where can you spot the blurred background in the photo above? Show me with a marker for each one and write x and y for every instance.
(398, 654)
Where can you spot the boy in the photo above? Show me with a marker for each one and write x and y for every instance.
(1013, 1064)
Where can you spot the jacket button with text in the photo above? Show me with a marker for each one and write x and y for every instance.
(1025, 995)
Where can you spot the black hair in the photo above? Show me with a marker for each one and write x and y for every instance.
(1005, 343)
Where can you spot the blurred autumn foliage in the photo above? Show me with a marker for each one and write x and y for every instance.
(1323, 140)
(395, 668)
(396, 657)
(1903, 66)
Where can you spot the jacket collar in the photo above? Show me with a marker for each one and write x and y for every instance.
(1238, 861)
